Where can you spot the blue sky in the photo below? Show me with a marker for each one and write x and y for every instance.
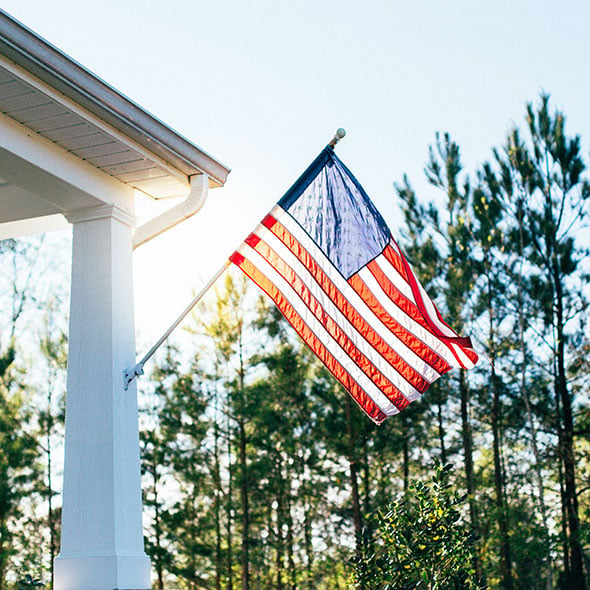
(262, 86)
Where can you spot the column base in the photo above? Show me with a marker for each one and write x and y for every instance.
(102, 572)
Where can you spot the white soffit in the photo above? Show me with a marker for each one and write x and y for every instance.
(45, 91)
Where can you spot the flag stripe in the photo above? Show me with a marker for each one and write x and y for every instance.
(350, 311)
(391, 264)
(403, 328)
(424, 303)
(461, 347)
(437, 324)
(400, 322)
(381, 269)
(332, 363)
(363, 372)
(393, 377)
(402, 309)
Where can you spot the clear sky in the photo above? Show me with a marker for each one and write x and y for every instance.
(262, 85)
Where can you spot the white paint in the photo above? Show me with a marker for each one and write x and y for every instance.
(102, 538)
(42, 179)
(88, 117)
(46, 170)
(168, 219)
(102, 535)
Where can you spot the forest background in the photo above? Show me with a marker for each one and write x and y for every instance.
(262, 86)
(258, 469)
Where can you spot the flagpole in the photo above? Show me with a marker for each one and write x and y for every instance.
(131, 374)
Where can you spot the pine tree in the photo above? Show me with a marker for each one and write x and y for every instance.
(453, 260)
(53, 347)
(548, 172)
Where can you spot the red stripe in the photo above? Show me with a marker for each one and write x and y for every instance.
(403, 267)
(335, 330)
(309, 337)
(409, 339)
(236, 258)
(405, 370)
(397, 297)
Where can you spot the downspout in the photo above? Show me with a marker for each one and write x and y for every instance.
(199, 188)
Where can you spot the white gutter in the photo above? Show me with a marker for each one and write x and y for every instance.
(163, 222)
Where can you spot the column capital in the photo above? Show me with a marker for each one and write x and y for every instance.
(102, 212)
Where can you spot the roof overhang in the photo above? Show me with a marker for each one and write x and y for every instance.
(47, 98)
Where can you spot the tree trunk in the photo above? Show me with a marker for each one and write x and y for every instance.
(3, 532)
(158, 533)
(307, 524)
(467, 440)
(308, 549)
(505, 558)
(244, 478)
(441, 431)
(218, 494)
(50, 519)
(525, 397)
(229, 510)
(564, 525)
(245, 509)
(290, 541)
(406, 462)
(571, 499)
(279, 526)
(353, 469)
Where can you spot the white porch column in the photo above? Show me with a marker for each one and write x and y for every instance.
(102, 536)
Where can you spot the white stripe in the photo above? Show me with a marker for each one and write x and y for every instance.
(405, 353)
(433, 315)
(316, 327)
(436, 344)
(385, 266)
(352, 333)
(406, 322)
(395, 277)
(429, 305)
(465, 360)
(403, 286)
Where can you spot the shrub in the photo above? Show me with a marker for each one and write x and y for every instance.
(421, 542)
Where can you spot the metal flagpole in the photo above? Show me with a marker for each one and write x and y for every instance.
(130, 374)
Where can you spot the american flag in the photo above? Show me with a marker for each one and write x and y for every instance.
(327, 259)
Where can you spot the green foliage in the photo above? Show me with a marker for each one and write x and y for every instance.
(259, 471)
(422, 541)
(18, 454)
(291, 474)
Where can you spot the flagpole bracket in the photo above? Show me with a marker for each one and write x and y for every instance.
(130, 374)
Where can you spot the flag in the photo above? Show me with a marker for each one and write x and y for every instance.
(327, 259)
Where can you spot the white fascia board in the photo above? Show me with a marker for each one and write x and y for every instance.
(42, 168)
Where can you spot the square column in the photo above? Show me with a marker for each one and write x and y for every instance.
(102, 534)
